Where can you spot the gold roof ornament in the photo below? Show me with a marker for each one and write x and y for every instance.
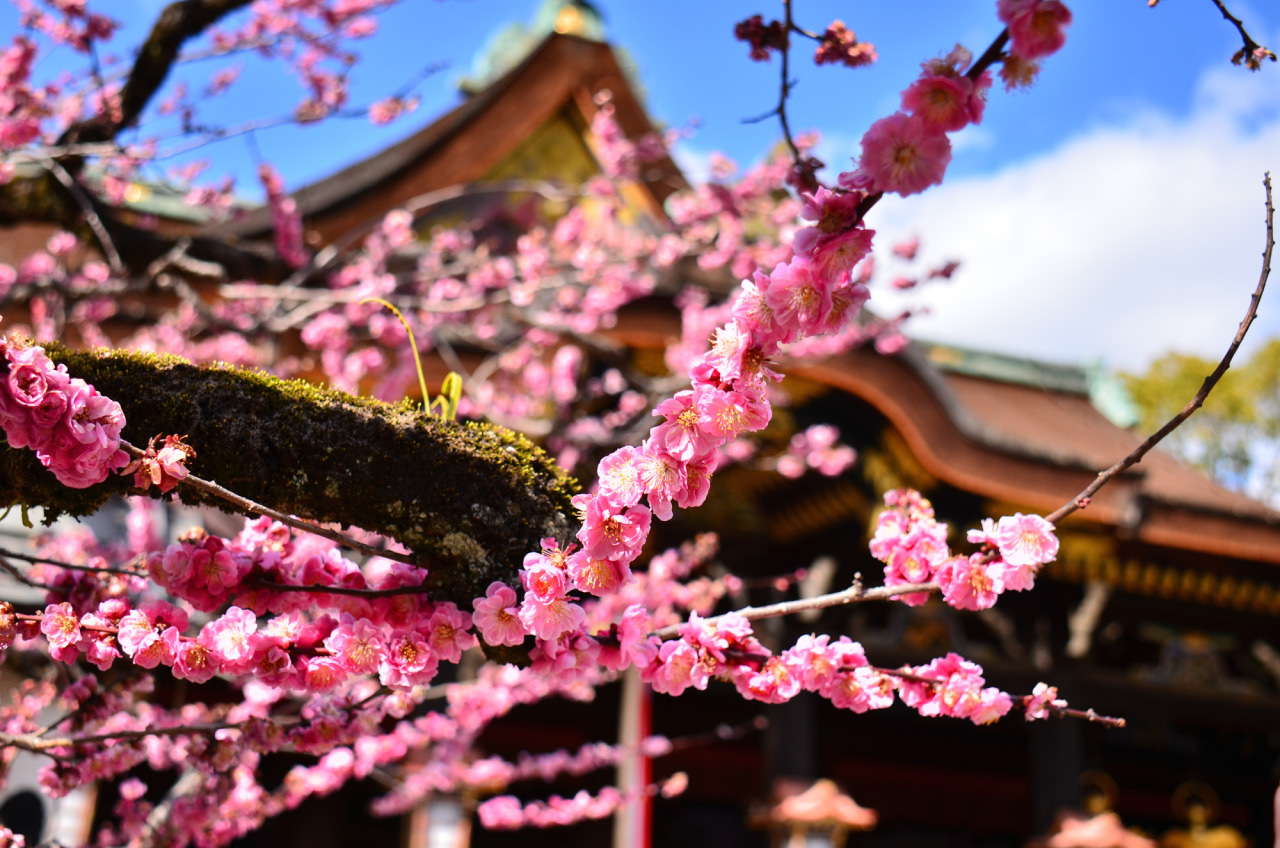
(1197, 804)
(1097, 826)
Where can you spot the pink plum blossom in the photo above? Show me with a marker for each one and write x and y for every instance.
(903, 155)
(1037, 28)
(496, 616)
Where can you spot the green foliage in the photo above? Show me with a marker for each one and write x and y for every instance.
(1233, 437)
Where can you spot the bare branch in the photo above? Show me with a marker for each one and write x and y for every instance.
(1252, 53)
(853, 595)
(249, 507)
(90, 215)
(1082, 500)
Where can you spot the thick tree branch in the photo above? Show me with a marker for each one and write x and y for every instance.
(468, 499)
(178, 22)
(43, 198)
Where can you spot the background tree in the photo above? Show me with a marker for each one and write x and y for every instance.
(1233, 438)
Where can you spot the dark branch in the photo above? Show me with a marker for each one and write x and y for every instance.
(853, 595)
(470, 500)
(1082, 499)
(43, 198)
(179, 22)
(1252, 53)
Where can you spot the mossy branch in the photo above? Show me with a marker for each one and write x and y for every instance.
(469, 499)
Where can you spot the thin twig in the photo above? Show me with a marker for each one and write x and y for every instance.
(249, 507)
(12, 570)
(1021, 700)
(1249, 53)
(994, 53)
(41, 745)
(721, 733)
(1082, 500)
(39, 560)
(1088, 715)
(854, 594)
(90, 215)
(338, 590)
(804, 166)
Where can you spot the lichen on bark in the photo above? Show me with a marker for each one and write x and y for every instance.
(470, 499)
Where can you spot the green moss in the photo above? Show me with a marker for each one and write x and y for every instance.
(471, 499)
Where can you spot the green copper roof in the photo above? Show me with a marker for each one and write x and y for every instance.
(147, 198)
(510, 45)
(1104, 390)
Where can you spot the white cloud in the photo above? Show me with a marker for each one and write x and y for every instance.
(1126, 241)
(693, 162)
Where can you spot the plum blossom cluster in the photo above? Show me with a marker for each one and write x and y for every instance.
(67, 22)
(909, 151)
(953, 686)
(838, 670)
(312, 37)
(760, 36)
(21, 106)
(913, 547)
(817, 447)
(494, 772)
(163, 468)
(315, 642)
(74, 430)
(1036, 29)
(505, 812)
(840, 46)
(286, 220)
(813, 294)
(1043, 702)
(620, 156)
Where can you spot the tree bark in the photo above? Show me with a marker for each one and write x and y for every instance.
(469, 499)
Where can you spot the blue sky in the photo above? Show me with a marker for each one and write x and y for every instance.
(1112, 212)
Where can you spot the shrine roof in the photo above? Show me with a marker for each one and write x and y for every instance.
(562, 73)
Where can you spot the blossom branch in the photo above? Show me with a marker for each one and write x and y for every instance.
(104, 569)
(44, 745)
(1082, 499)
(13, 571)
(1055, 709)
(994, 53)
(1088, 715)
(1252, 53)
(251, 508)
(854, 594)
